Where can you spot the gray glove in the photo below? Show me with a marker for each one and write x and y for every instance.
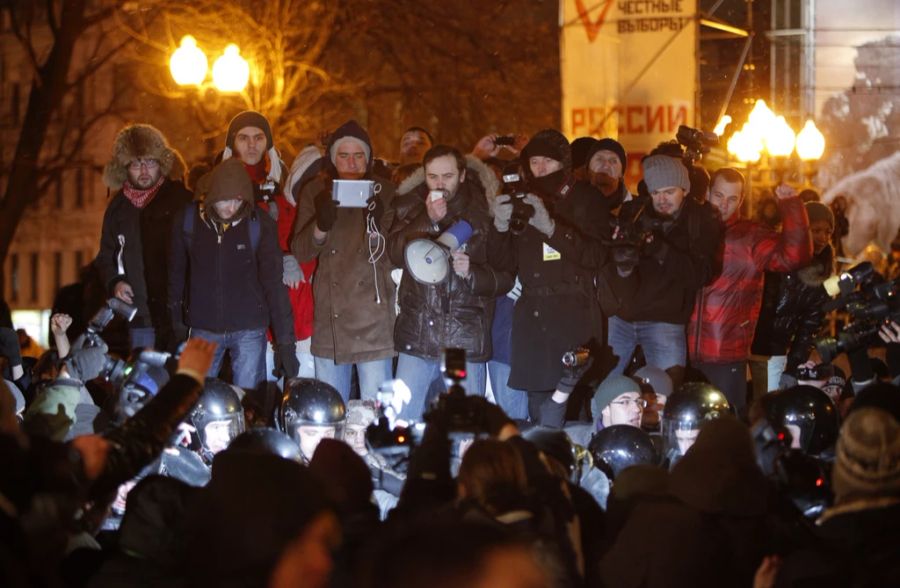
(540, 220)
(85, 364)
(292, 275)
(503, 210)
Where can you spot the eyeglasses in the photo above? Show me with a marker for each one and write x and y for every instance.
(137, 164)
(640, 402)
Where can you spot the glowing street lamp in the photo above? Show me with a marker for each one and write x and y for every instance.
(780, 138)
(231, 72)
(745, 145)
(810, 142)
(188, 64)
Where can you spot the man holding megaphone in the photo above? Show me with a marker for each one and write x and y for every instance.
(447, 292)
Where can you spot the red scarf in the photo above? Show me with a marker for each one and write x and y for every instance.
(141, 198)
(260, 171)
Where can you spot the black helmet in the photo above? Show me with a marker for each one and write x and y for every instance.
(810, 410)
(266, 441)
(804, 481)
(620, 446)
(554, 443)
(310, 402)
(686, 410)
(219, 403)
(140, 386)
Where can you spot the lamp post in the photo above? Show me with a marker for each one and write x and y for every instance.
(810, 147)
(189, 66)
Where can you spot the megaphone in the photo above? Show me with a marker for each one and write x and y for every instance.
(427, 261)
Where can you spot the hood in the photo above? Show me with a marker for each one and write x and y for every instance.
(819, 270)
(719, 474)
(306, 165)
(477, 173)
(151, 528)
(139, 141)
(351, 128)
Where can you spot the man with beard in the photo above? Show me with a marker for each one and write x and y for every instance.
(666, 250)
(225, 276)
(606, 161)
(554, 255)
(146, 175)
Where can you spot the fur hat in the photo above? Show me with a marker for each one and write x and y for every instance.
(140, 141)
(867, 464)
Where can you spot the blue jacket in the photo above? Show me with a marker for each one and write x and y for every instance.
(224, 282)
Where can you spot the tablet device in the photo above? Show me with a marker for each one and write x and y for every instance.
(352, 193)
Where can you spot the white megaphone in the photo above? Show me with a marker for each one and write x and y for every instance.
(428, 261)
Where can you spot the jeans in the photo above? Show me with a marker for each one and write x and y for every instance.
(730, 379)
(142, 338)
(418, 373)
(513, 402)
(664, 344)
(307, 366)
(372, 374)
(248, 355)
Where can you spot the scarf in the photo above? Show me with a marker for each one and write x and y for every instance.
(141, 198)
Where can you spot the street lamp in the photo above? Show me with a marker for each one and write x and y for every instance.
(188, 64)
(810, 142)
(231, 72)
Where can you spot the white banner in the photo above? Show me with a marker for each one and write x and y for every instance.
(628, 69)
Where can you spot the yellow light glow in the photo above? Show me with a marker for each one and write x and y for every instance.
(780, 138)
(188, 64)
(761, 116)
(810, 142)
(231, 72)
(745, 145)
(724, 122)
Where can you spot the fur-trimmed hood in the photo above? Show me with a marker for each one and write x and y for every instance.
(141, 141)
(821, 268)
(477, 171)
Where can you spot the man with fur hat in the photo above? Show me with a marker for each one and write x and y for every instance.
(145, 177)
(225, 276)
(353, 290)
(249, 139)
(457, 312)
(724, 319)
(554, 256)
(665, 246)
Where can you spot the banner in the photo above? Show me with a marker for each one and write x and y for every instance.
(628, 69)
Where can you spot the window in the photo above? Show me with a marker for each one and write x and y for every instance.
(79, 188)
(57, 271)
(35, 276)
(14, 277)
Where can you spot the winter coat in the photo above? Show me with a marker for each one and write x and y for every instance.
(663, 286)
(557, 310)
(354, 299)
(458, 312)
(134, 248)
(791, 314)
(222, 283)
(724, 319)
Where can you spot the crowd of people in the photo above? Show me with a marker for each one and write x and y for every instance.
(496, 368)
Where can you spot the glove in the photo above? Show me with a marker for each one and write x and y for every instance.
(626, 258)
(572, 374)
(376, 210)
(326, 211)
(503, 210)
(291, 275)
(86, 364)
(540, 220)
(286, 364)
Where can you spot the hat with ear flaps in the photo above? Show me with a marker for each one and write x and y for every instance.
(141, 141)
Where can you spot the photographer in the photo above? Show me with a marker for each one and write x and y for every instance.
(559, 247)
(724, 319)
(664, 251)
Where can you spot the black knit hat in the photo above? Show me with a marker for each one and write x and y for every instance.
(607, 144)
(549, 143)
(582, 148)
(248, 118)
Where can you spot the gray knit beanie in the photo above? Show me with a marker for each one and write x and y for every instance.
(662, 171)
(868, 456)
(609, 389)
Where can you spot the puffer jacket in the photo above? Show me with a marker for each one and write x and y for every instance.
(791, 314)
(456, 313)
(724, 318)
(354, 300)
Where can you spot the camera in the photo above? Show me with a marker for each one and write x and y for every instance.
(101, 320)
(521, 212)
(816, 372)
(576, 357)
(505, 140)
(267, 190)
(869, 300)
(696, 142)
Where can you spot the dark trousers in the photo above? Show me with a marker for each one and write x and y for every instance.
(730, 379)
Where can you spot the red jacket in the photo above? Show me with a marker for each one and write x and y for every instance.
(724, 318)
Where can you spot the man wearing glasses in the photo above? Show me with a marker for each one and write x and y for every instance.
(618, 401)
(145, 177)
